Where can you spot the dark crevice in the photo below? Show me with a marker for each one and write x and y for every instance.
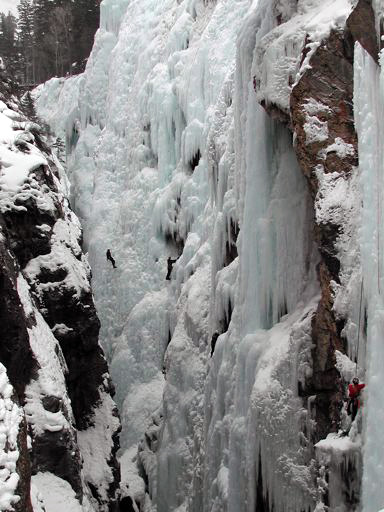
(283, 309)
(262, 499)
(194, 162)
(215, 335)
(230, 245)
(126, 505)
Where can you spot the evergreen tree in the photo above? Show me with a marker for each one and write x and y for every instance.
(28, 107)
(45, 45)
(8, 46)
(86, 15)
(50, 38)
(26, 43)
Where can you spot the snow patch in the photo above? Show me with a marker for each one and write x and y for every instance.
(315, 130)
(53, 494)
(96, 445)
(11, 416)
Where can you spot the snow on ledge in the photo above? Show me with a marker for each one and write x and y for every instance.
(15, 165)
(278, 54)
(336, 445)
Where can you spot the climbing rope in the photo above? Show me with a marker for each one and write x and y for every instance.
(359, 328)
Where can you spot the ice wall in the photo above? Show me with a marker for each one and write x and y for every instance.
(140, 183)
(369, 105)
(179, 142)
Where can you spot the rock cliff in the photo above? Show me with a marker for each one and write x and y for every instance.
(49, 327)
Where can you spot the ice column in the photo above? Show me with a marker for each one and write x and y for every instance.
(369, 113)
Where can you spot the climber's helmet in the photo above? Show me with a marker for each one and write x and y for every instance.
(355, 380)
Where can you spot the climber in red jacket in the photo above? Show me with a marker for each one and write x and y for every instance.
(354, 393)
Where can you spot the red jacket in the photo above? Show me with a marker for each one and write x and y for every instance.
(354, 390)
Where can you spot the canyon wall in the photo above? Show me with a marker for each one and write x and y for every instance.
(59, 419)
(225, 135)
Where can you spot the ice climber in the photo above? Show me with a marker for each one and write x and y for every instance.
(110, 258)
(353, 400)
(170, 263)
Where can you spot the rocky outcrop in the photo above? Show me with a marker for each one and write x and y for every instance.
(321, 118)
(49, 325)
(15, 351)
(326, 142)
(23, 469)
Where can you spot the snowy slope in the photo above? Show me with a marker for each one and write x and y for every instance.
(184, 140)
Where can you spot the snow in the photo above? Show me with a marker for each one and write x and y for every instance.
(16, 165)
(340, 147)
(336, 197)
(277, 65)
(53, 494)
(315, 130)
(131, 482)
(52, 368)
(345, 366)
(11, 416)
(96, 445)
(65, 254)
(336, 444)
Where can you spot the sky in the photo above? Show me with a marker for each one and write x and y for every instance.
(9, 5)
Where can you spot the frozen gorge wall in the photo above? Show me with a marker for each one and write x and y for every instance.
(55, 390)
(225, 134)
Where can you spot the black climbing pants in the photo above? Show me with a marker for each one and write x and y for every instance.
(353, 407)
(112, 261)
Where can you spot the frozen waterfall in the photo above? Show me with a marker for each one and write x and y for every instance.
(180, 144)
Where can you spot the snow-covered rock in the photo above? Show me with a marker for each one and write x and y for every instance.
(49, 331)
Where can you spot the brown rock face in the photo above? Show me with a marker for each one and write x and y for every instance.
(329, 86)
(58, 453)
(361, 24)
(22, 223)
(324, 96)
